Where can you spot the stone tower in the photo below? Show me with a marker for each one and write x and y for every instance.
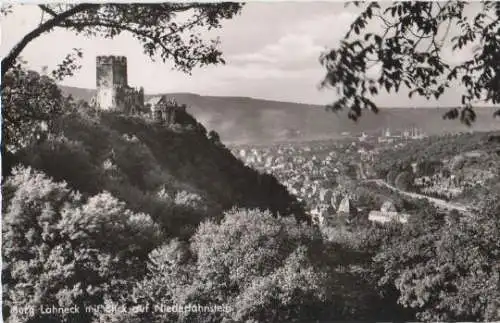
(111, 78)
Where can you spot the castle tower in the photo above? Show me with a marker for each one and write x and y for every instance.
(111, 79)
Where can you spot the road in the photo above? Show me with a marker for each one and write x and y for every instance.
(441, 204)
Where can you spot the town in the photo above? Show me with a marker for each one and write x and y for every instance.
(331, 177)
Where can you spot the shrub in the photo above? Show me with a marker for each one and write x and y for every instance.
(63, 250)
(404, 181)
(446, 268)
(30, 103)
(258, 267)
(60, 157)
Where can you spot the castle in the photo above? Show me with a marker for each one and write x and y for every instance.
(114, 94)
(113, 91)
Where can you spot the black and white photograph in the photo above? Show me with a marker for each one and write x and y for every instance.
(260, 161)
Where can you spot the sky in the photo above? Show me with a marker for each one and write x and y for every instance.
(272, 51)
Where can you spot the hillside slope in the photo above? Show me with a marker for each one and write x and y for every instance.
(176, 175)
(248, 120)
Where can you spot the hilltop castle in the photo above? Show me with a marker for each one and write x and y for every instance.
(114, 94)
(113, 91)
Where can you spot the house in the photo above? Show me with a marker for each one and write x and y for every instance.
(388, 212)
(347, 208)
(474, 154)
(164, 110)
(384, 217)
(157, 107)
(388, 206)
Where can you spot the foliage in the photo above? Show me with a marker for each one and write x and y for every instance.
(59, 157)
(373, 197)
(433, 150)
(5, 9)
(189, 199)
(391, 176)
(429, 167)
(30, 104)
(131, 159)
(135, 160)
(408, 52)
(214, 137)
(404, 181)
(169, 31)
(68, 66)
(447, 267)
(380, 194)
(257, 267)
(63, 250)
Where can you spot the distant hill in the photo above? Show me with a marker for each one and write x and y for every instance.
(249, 120)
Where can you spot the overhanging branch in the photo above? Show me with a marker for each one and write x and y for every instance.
(9, 60)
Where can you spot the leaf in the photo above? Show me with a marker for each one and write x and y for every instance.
(352, 115)
(370, 105)
(393, 11)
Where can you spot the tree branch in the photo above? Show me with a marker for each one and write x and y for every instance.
(47, 10)
(386, 22)
(117, 25)
(9, 60)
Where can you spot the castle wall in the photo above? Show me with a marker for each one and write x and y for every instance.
(104, 74)
(130, 100)
(120, 72)
(106, 98)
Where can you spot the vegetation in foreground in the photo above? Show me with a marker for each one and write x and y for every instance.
(69, 244)
(145, 224)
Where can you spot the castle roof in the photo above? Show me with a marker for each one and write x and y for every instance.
(155, 100)
(346, 206)
(388, 206)
(384, 217)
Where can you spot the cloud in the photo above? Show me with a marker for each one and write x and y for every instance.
(260, 72)
(290, 63)
(289, 48)
(302, 44)
(274, 58)
(327, 29)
